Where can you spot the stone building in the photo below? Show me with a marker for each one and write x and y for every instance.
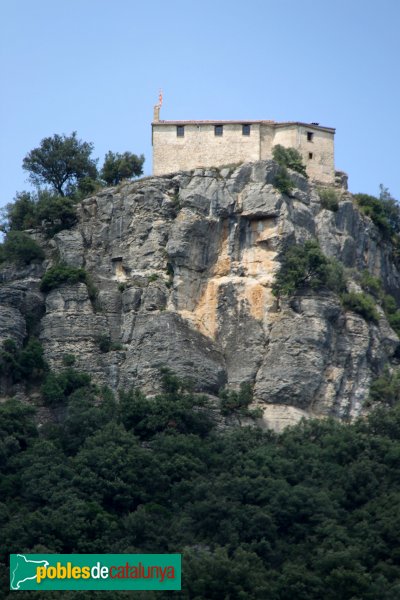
(185, 145)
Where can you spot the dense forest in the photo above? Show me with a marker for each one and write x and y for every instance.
(308, 514)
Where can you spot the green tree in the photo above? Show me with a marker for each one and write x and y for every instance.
(121, 166)
(60, 161)
(363, 304)
(20, 248)
(290, 158)
(45, 209)
(20, 214)
(307, 266)
(386, 388)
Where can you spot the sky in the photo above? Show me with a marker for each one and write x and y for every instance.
(96, 67)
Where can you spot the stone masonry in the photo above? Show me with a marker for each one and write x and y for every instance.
(187, 145)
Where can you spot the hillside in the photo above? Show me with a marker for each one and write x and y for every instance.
(182, 270)
(137, 334)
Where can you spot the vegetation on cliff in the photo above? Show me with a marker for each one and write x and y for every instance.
(306, 266)
(64, 172)
(290, 158)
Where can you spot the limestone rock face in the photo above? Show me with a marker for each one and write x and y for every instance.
(184, 265)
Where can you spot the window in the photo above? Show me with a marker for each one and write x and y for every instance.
(218, 130)
(245, 129)
(180, 131)
(310, 155)
(310, 136)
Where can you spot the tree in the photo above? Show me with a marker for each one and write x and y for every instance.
(20, 248)
(20, 214)
(290, 158)
(305, 266)
(121, 166)
(60, 161)
(45, 209)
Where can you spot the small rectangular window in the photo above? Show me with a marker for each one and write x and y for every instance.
(218, 130)
(245, 129)
(310, 155)
(310, 136)
(180, 130)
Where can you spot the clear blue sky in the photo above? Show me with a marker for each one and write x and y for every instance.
(95, 66)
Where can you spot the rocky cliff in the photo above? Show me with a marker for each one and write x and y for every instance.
(184, 265)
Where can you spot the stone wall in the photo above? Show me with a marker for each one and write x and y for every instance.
(321, 165)
(200, 147)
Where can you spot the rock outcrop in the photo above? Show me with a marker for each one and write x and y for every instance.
(184, 266)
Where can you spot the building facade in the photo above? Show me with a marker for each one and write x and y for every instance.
(186, 145)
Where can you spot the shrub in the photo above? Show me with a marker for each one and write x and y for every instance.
(20, 248)
(25, 364)
(392, 313)
(104, 342)
(362, 304)
(69, 360)
(290, 158)
(20, 214)
(384, 211)
(173, 412)
(59, 386)
(55, 212)
(306, 266)
(42, 209)
(329, 199)
(371, 284)
(60, 274)
(282, 181)
(106, 345)
(232, 401)
(386, 388)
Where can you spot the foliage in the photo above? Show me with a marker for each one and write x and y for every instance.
(20, 214)
(373, 285)
(106, 345)
(282, 181)
(22, 364)
(361, 303)
(290, 158)
(56, 212)
(309, 514)
(43, 209)
(386, 388)
(384, 212)
(305, 266)
(61, 162)
(69, 360)
(20, 248)
(177, 410)
(329, 199)
(237, 402)
(121, 166)
(57, 387)
(61, 273)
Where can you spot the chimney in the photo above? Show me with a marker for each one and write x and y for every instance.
(156, 116)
